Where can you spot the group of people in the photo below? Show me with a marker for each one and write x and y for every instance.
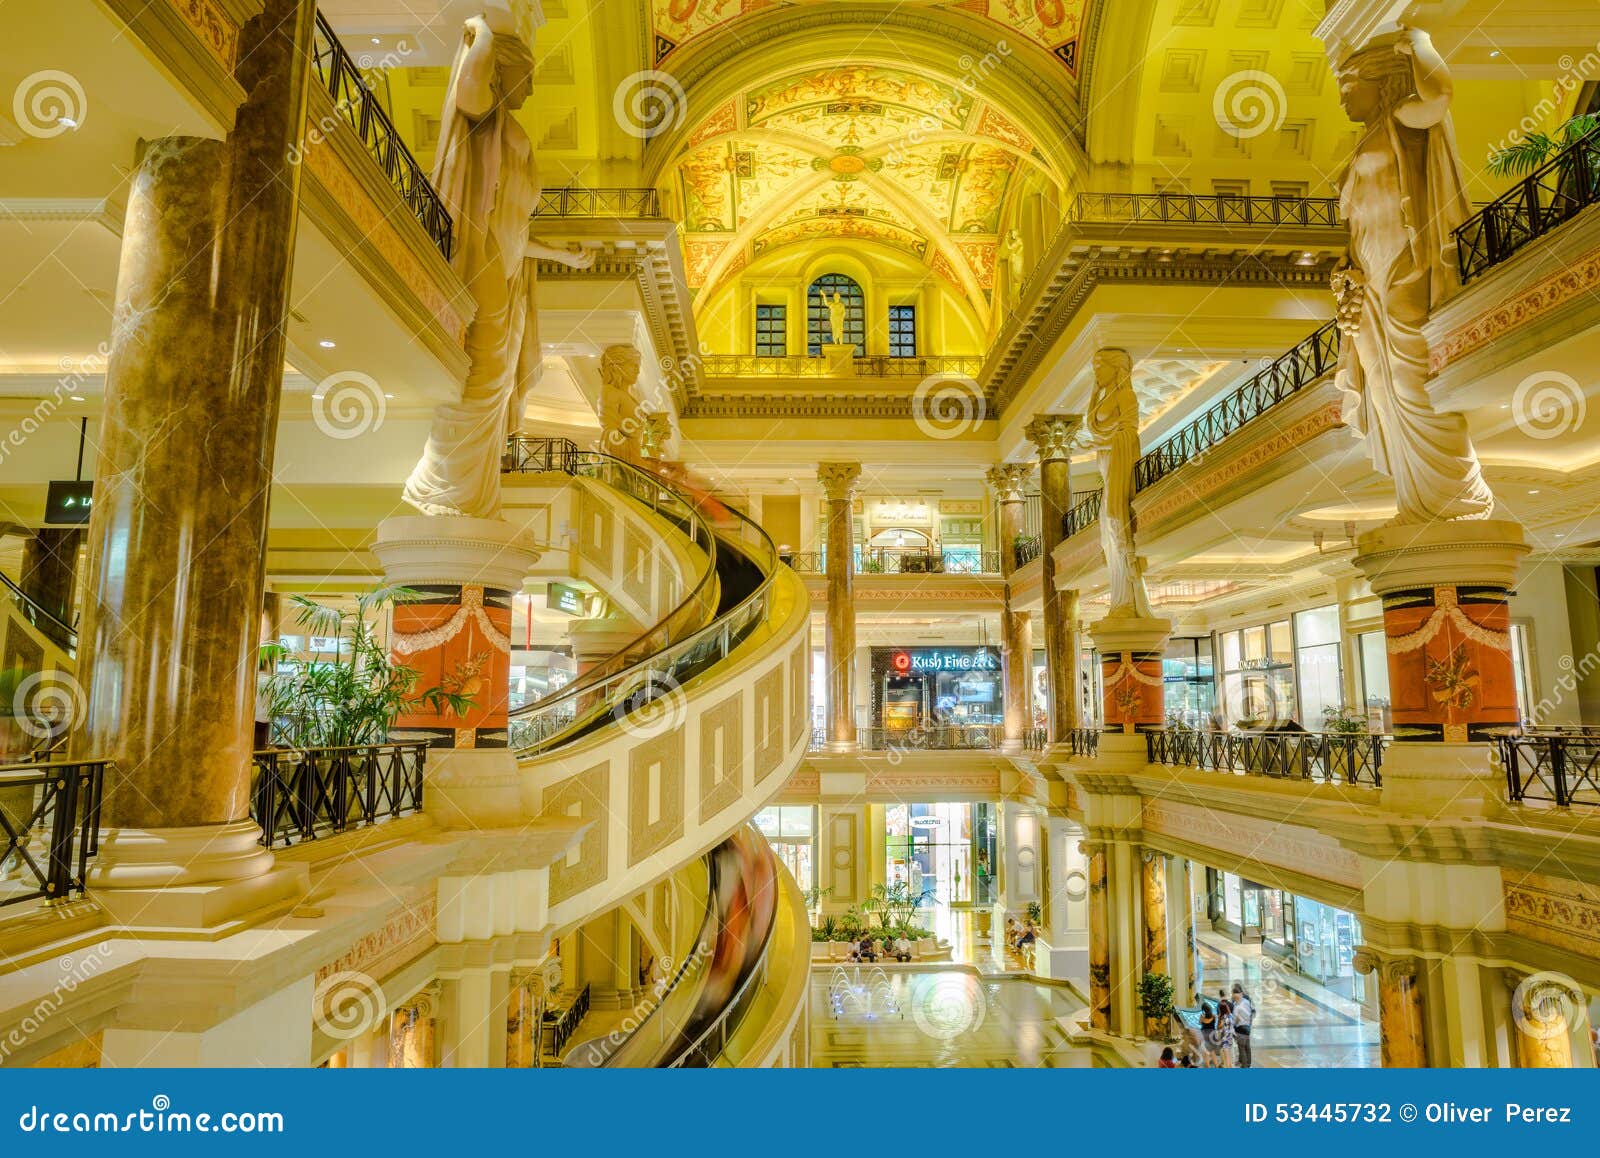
(1225, 1026)
(1020, 938)
(869, 950)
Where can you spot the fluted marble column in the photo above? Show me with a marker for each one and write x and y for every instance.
(50, 569)
(1052, 435)
(1099, 937)
(839, 483)
(1400, 1013)
(1016, 627)
(179, 527)
(1543, 1006)
(1155, 926)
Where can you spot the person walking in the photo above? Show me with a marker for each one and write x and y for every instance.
(1223, 1055)
(1244, 1016)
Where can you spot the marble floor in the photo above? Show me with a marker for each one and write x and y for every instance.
(1299, 1024)
(863, 1016)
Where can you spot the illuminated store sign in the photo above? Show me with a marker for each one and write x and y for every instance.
(560, 597)
(932, 659)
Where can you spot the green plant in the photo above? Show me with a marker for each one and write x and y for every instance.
(896, 905)
(1535, 148)
(1343, 721)
(1035, 912)
(814, 896)
(353, 696)
(1155, 1002)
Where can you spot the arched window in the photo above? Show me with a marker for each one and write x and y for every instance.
(819, 331)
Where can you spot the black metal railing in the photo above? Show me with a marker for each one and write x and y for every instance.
(1026, 549)
(302, 793)
(1548, 197)
(868, 366)
(576, 201)
(561, 1024)
(901, 561)
(1035, 739)
(1323, 757)
(1083, 741)
(355, 103)
(524, 454)
(1561, 768)
(50, 814)
(56, 630)
(1081, 514)
(1213, 209)
(1310, 361)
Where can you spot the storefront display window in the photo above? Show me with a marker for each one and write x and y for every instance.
(1316, 637)
(791, 831)
(1284, 672)
(942, 851)
(922, 687)
(1189, 683)
(1375, 680)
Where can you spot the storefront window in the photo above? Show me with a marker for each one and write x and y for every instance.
(1258, 675)
(1189, 684)
(922, 687)
(790, 830)
(942, 851)
(1375, 680)
(1317, 665)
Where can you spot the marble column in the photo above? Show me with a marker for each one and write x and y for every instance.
(179, 523)
(413, 1033)
(1052, 436)
(1155, 927)
(1016, 627)
(1400, 1014)
(1543, 1008)
(1447, 622)
(1099, 937)
(839, 480)
(523, 1016)
(50, 570)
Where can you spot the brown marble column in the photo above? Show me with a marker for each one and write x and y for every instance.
(1155, 927)
(1543, 1006)
(1052, 435)
(179, 527)
(1016, 627)
(413, 1033)
(50, 570)
(522, 1024)
(1099, 937)
(1400, 1014)
(839, 483)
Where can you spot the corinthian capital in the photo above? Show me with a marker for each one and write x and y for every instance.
(1052, 434)
(838, 479)
(1009, 480)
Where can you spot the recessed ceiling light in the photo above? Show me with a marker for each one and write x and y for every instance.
(388, 395)
(1505, 406)
(70, 122)
(316, 396)
(76, 397)
(327, 343)
(375, 40)
(1534, 491)
(1494, 54)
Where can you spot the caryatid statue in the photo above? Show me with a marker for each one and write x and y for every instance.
(1113, 425)
(485, 175)
(1403, 198)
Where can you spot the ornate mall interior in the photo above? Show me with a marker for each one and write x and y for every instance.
(799, 533)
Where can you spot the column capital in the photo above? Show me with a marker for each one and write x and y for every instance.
(425, 1001)
(839, 479)
(1385, 967)
(1052, 434)
(1009, 480)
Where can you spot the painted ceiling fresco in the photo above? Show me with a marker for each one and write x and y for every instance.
(1053, 25)
(855, 152)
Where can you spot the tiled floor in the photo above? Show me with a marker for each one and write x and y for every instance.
(862, 1016)
(1299, 1024)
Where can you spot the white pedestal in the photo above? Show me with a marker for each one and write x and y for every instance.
(841, 359)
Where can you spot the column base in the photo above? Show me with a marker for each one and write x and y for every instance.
(473, 788)
(1122, 752)
(194, 877)
(841, 359)
(1433, 779)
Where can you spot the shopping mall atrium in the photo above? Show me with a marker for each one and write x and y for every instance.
(799, 533)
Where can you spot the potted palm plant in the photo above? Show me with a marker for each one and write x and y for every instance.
(1155, 1002)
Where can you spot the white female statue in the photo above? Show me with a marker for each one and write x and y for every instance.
(485, 175)
(1113, 424)
(1403, 198)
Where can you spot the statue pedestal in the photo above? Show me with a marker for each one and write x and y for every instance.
(456, 636)
(1447, 623)
(841, 359)
(1130, 649)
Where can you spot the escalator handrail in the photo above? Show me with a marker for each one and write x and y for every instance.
(720, 632)
(570, 460)
(34, 612)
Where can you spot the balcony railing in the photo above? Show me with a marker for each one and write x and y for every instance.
(1548, 197)
(560, 1024)
(1322, 757)
(50, 814)
(1216, 209)
(1083, 741)
(1561, 768)
(1310, 361)
(576, 201)
(1025, 550)
(1035, 739)
(526, 454)
(303, 793)
(1081, 514)
(800, 366)
(929, 738)
(902, 561)
(353, 100)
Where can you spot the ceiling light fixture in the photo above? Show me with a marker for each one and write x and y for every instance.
(327, 343)
(1534, 491)
(69, 122)
(76, 397)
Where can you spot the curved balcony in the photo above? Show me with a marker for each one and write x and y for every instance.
(1544, 200)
